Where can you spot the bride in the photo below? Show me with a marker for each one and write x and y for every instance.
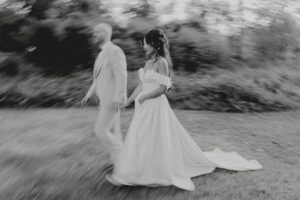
(157, 150)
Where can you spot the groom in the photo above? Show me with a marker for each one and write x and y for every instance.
(109, 84)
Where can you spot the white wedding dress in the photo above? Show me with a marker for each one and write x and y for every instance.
(158, 151)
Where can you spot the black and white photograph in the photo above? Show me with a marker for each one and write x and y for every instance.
(149, 99)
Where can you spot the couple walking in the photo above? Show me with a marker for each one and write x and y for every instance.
(157, 150)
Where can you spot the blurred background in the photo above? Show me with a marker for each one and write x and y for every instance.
(228, 55)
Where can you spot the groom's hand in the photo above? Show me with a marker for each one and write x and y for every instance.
(125, 104)
(85, 100)
(116, 106)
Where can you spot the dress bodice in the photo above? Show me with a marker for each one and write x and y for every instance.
(152, 80)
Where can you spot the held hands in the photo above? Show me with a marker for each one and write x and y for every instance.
(116, 106)
(126, 103)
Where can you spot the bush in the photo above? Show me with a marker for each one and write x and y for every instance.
(192, 49)
(60, 53)
(61, 45)
(235, 92)
(219, 91)
(44, 99)
(135, 55)
(13, 34)
(9, 67)
(13, 97)
(227, 98)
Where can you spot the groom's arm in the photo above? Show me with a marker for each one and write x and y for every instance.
(119, 66)
(92, 88)
(90, 93)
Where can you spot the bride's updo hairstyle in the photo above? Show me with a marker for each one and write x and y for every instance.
(158, 40)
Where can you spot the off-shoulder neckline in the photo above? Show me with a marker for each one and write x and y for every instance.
(144, 71)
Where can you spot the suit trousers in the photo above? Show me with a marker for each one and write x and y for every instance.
(108, 130)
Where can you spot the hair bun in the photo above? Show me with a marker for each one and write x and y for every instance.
(157, 39)
(163, 40)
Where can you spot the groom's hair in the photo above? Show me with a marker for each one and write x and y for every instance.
(106, 28)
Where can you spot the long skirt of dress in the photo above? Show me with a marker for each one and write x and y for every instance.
(158, 151)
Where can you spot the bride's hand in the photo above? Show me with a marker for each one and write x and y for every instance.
(142, 100)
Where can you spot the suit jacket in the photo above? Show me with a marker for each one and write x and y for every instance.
(110, 75)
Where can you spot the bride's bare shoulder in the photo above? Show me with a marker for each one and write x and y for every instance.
(162, 61)
(162, 67)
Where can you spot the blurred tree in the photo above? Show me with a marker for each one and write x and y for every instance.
(9, 67)
(39, 9)
(13, 33)
(143, 17)
(143, 9)
(215, 33)
(273, 42)
(62, 53)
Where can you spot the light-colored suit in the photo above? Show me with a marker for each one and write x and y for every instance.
(110, 85)
(110, 75)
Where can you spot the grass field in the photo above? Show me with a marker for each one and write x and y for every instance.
(53, 154)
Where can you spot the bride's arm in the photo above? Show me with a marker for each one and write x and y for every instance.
(153, 94)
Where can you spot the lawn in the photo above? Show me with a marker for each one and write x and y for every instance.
(53, 154)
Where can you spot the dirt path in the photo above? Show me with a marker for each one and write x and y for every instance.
(52, 154)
